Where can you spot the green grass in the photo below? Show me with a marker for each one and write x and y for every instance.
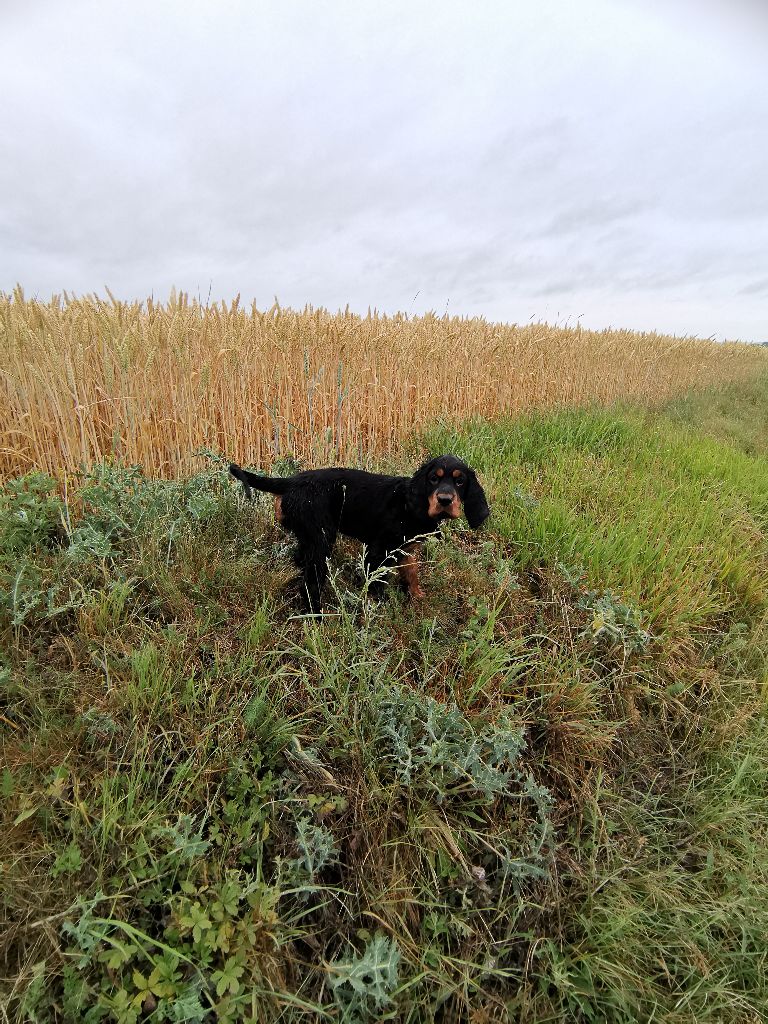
(537, 796)
(672, 517)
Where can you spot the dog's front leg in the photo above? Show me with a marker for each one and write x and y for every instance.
(409, 570)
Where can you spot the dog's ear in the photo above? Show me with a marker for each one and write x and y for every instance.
(416, 490)
(475, 506)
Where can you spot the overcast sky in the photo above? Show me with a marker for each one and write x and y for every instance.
(551, 159)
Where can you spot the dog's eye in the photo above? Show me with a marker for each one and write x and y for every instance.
(459, 480)
(433, 478)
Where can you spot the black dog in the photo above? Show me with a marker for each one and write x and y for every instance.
(387, 513)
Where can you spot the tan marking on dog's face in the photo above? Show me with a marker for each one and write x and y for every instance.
(456, 474)
(279, 509)
(440, 472)
(435, 509)
(409, 571)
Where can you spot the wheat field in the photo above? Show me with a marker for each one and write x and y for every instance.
(88, 379)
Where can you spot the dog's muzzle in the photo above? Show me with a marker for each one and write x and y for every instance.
(444, 503)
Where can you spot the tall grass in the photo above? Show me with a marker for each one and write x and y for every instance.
(673, 518)
(82, 380)
(538, 795)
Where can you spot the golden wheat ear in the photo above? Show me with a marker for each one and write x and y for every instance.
(151, 394)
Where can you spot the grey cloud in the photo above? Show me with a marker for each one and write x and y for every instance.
(491, 161)
(755, 288)
(596, 214)
(565, 286)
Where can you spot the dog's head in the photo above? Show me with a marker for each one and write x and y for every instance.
(442, 486)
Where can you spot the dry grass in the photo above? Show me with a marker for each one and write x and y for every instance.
(85, 379)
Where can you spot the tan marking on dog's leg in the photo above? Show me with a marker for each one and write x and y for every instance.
(279, 509)
(409, 570)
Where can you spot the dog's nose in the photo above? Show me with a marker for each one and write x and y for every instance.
(445, 499)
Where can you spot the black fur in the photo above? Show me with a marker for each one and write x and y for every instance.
(384, 512)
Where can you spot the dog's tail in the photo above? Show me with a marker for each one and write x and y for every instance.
(271, 484)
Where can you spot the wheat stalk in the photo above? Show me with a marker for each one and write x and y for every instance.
(84, 379)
